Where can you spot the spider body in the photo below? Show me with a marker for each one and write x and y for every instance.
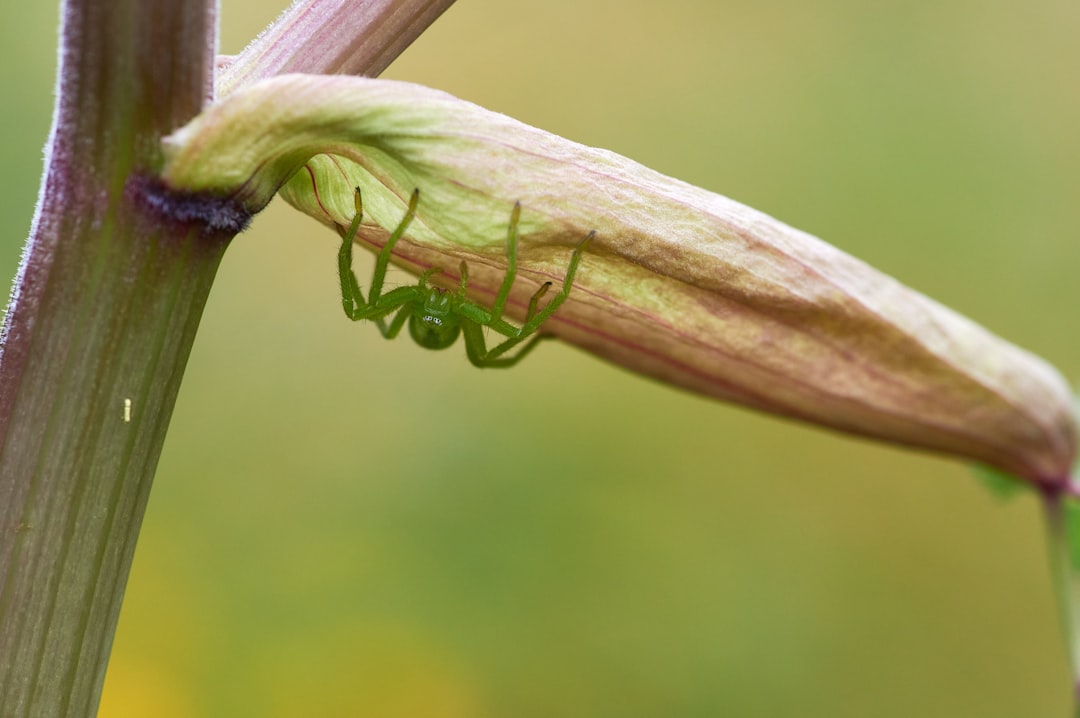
(437, 316)
(436, 325)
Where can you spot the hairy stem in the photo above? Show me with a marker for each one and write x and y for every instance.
(332, 37)
(94, 343)
(104, 310)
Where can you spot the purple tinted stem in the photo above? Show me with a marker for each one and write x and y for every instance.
(94, 343)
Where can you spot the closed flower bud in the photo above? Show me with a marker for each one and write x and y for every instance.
(680, 284)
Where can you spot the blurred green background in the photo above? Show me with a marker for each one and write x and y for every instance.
(344, 526)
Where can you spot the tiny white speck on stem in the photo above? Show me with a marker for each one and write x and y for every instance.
(127, 411)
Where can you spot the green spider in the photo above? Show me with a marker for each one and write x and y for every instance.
(436, 316)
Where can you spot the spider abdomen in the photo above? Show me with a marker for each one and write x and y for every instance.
(435, 325)
(433, 332)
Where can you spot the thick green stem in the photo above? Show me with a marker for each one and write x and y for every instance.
(94, 344)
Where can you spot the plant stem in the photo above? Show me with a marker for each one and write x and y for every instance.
(1066, 581)
(332, 37)
(94, 344)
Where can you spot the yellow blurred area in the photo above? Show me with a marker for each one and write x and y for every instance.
(344, 526)
(149, 689)
(398, 675)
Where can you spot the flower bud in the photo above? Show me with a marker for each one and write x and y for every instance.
(680, 284)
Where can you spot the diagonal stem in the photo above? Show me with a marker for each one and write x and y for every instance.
(332, 37)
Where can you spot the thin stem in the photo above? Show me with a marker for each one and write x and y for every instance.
(1066, 581)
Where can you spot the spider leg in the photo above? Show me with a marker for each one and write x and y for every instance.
(474, 317)
(480, 315)
(479, 356)
(389, 303)
(463, 273)
(536, 298)
(390, 331)
(403, 300)
(534, 323)
(511, 264)
(384, 254)
(535, 319)
(352, 299)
